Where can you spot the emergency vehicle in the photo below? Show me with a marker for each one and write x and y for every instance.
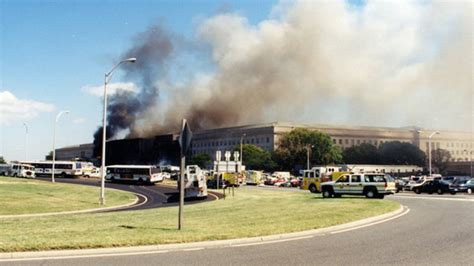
(313, 178)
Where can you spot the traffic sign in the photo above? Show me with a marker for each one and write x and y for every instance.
(185, 137)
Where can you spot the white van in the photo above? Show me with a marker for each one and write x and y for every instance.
(22, 170)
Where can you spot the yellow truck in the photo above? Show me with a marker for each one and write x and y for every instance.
(313, 178)
(253, 177)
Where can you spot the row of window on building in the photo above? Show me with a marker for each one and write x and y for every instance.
(232, 142)
(352, 142)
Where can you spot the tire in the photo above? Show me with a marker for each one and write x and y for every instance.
(327, 193)
(313, 189)
(453, 192)
(439, 191)
(370, 193)
(63, 175)
(417, 191)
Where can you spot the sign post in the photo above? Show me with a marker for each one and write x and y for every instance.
(218, 159)
(184, 142)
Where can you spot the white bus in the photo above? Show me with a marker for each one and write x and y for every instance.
(61, 168)
(394, 170)
(134, 173)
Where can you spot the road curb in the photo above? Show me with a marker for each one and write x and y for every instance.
(112, 208)
(163, 248)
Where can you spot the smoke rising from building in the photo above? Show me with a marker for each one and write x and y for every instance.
(385, 63)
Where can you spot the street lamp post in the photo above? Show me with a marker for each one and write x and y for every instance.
(26, 141)
(54, 142)
(470, 161)
(429, 147)
(241, 152)
(308, 148)
(107, 78)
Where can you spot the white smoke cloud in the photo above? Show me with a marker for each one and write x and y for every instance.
(13, 109)
(112, 88)
(386, 63)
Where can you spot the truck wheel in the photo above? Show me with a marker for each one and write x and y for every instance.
(327, 193)
(313, 189)
(417, 190)
(370, 193)
(439, 191)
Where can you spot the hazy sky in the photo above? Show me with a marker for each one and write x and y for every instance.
(358, 63)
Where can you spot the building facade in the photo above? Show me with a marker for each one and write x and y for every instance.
(267, 136)
(83, 151)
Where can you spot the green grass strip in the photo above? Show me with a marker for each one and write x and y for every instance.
(252, 212)
(28, 196)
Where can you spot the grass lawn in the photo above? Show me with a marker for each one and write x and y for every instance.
(252, 212)
(29, 196)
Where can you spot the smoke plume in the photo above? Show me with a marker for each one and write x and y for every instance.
(383, 63)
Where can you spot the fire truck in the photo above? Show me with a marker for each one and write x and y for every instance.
(313, 178)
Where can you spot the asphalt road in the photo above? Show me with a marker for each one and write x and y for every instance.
(150, 196)
(436, 231)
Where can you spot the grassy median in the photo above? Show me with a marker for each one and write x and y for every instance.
(252, 212)
(29, 196)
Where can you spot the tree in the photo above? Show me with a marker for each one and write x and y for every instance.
(2, 160)
(256, 158)
(401, 153)
(440, 159)
(292, 149)
(361, 154)
(200, 159)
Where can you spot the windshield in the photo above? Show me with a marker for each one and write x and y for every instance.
(460, 181)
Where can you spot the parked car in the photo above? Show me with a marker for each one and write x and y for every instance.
(295, 182)
(399, 184)
(431, 186)
(414, 182)
(470, 186)
(460, 185)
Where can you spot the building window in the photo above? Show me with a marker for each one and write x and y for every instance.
(346, 141)
(268, 140)
(358, 141)
(340, 141)
(352, 141)
(334, 141)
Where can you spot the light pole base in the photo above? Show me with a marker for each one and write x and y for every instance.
(101, 201)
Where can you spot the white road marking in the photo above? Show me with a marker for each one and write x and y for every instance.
(87, 256)
(370, 224)
(192, 249)
(432, 198)
(272, 241)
